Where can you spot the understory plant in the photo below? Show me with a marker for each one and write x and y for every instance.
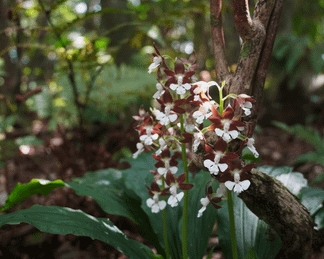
(176, 131)
(186, 131)
(262, 212)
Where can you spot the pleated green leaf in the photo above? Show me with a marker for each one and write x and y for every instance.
(60, 220)
(108, 188)
(24, 191)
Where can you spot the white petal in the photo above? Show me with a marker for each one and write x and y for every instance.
(149, 202)
(219, 132)
(245, 184)
(247, 112)
(173, 117)
(172, 200)
(143, 137)
(181, 90)
(158, 94)
(221, 190)
(164, 120)
(173, 86)
(187, 86)
(135, 155)
(226, 137)
(233, 133)
(248, 105)
(238, 188)
(155, 136)
(173, 169)
(223, 167)
(200, 212)
(162, 205)
(211, 166)
(148, 141)
(162, 171)
(155, 208)
(204, 201)
(253, 150)
(173, 190)
(139, 145)
(159, 115)
(229, 185)
(180, 196)
(208, 163)
(196, 114)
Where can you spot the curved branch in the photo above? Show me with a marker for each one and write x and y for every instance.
(253, 33)
(264, 61)
(242, 19)
(221, 66)
(272, 202)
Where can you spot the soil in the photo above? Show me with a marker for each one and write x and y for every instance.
(61, 158)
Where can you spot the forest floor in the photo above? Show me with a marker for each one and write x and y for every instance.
(60, 158)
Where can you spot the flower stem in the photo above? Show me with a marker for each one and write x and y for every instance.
(165, 232)
(232, 224)
(186, 195)
(221, 101)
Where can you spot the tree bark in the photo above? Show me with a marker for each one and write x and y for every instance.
(268, 198)
(272, 202)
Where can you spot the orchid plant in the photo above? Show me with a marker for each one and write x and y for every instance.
(176, 129)
(186, 130)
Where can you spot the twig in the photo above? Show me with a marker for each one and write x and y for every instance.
(71, 73)
(24, 97)
(264, 61)
(242, 19)
(221, 66)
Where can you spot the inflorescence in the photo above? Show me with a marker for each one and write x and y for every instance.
(184, 105)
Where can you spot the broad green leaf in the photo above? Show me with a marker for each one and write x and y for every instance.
(312, 198)
(139, 175)
(35, 186)
(108, 188)
(311, 157)
(319, 219)
(60, 220)
(294, 181)
(200, 229)
(250, 232)
(251, 254)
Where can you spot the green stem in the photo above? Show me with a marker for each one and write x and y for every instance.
(186, 195)
(165, 231)
(221, 101)
(232, 224)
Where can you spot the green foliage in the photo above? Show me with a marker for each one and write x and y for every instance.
(35, 186)
(309, 135)
(312, 198)
(114, 92)
(123, 193)
(29, 140)
(59, 220)
(288, 52)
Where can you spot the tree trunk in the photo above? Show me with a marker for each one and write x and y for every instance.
(270, 200)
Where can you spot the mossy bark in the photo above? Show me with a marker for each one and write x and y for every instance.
(272, 202)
